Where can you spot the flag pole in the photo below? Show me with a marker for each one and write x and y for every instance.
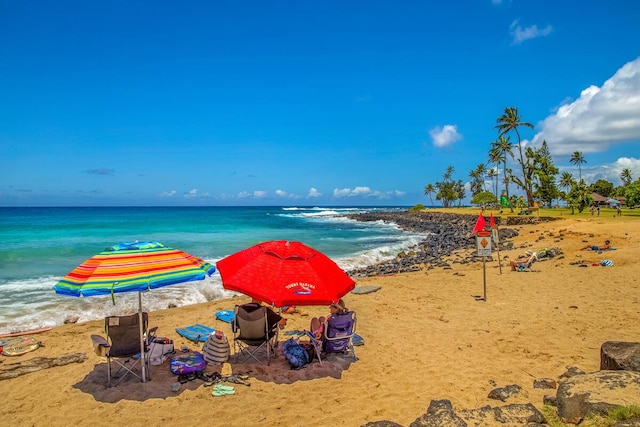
(495, 231)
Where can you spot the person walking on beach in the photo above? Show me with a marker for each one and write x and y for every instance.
(598, 210)
(618, 210)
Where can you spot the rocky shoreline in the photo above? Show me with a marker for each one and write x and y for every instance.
(444, 234)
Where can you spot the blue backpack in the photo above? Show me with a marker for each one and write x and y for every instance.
(296, 354)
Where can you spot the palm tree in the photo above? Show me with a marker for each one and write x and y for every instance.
(625, 176)
(495, 157)
(503, 146)
(511, 121)
(481, 170)
(449, 173)
(566, 181)
(578, 159)
(429, 189)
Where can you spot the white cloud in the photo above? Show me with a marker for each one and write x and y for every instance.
(191, 194)
(281, 193)
(366, 192)
(314, 193)
(168, 193)
(446, 135)
(520, 34)
(347, 192)
(599, 118)
(257, 194)
(341, 192)
(607, 171)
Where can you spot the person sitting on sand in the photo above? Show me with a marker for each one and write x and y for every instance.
(317, 323)
(273, 318)
(607, 245)
(521, 263)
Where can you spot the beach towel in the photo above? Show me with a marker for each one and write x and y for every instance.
(195, 333)
(225, 315)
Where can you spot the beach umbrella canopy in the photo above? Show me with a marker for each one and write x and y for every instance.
(284, 273)
(133, 267)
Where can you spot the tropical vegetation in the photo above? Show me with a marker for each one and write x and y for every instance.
(537, 178)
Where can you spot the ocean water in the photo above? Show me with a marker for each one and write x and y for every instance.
(41, 245)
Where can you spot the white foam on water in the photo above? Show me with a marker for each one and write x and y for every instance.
(378, 254)
(31, 303)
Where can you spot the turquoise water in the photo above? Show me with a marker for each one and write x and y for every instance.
(41, 245)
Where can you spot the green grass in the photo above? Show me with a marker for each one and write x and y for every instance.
(606, 214)
(615, 415)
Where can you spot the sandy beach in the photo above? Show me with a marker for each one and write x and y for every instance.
(426, 337)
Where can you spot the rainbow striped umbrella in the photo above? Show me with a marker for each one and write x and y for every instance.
(133, 267)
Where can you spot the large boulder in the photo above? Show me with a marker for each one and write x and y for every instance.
(442, 414)
(512, 415)
(615, 355)
(597, 393)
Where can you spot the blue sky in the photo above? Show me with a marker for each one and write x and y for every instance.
(302, 102)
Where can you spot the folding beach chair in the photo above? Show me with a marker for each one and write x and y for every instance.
(122, 345)
(338, 333)
(252, 335)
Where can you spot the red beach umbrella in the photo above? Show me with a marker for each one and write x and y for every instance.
(283, 273)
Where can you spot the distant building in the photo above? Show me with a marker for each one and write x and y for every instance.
(598, 200)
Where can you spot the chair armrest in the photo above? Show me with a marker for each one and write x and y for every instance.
(100, 345)
(151, 335)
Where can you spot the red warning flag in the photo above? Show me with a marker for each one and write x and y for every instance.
(480, 223)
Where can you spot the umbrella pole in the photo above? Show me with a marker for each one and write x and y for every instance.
(140, 323)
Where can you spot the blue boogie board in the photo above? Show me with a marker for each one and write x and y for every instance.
(187, 363)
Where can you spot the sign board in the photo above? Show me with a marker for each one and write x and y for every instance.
(483, 243)
(494, 234)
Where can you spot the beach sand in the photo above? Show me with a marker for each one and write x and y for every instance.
(426, 337)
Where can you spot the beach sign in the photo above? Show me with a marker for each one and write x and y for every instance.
(483, 243)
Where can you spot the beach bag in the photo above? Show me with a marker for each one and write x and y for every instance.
(187, 362)
(216, 348)
(160, 350)
(295, 353)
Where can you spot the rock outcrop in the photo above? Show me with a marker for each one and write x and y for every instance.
(615, 355)
(597, 393)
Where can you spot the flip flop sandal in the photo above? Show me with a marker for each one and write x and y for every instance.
(237, 380)
(222, 390)
(191, 377)
(218, 393)
(182, 379)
